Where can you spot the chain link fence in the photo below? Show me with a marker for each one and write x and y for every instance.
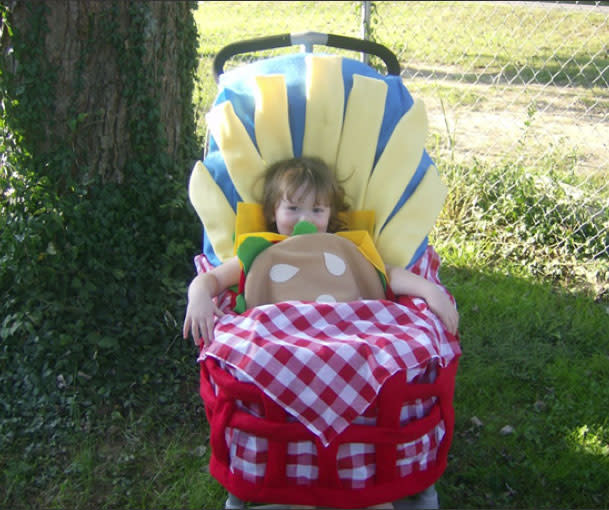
(516, 92)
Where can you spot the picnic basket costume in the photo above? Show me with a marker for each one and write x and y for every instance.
(325, 402)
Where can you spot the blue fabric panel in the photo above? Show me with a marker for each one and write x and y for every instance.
(209, 252)
(417, 254)
(242, 80)
(217, 168)
(419, 173)
(399, 101)
(238, 87)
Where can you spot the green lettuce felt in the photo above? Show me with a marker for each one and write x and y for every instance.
(304, 227)
(250, 249)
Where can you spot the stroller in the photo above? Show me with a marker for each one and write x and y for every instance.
(316, 403)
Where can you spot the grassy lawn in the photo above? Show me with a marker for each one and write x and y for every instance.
(532, 428)
(496, 37)
(535, 359)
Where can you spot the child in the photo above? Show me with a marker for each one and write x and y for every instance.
(295, 190)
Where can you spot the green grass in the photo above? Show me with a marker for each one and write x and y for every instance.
(547, 45)
(532, 43)
(535, 359)
(137, 466)
(534, 318)
(527, 222)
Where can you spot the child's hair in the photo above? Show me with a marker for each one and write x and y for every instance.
(289, 175)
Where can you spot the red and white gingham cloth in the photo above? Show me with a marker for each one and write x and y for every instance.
(324, 363)
(356, 462)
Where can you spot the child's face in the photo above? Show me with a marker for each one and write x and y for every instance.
(302, 206)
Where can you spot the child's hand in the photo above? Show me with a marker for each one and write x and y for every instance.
(202, 309)
(443, 307)
(404, 282)
(200, 319)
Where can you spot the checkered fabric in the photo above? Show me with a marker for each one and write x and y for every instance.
(325, 363)
(356, 461)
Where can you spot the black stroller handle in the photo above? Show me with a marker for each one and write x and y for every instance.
(308, 39)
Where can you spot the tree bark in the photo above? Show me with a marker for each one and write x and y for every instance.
(92, 49)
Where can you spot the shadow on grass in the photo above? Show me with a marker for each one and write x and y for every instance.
(531, 396)
(531, 430)
(534, 360)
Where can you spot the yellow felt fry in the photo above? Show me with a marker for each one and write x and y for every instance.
(243, 162)
(358, 220)
(214, 210)
(325, 103)
(272, 124)
(364, 243)
(250, 218)
(401, 237)
(397, 163)
(363, 119)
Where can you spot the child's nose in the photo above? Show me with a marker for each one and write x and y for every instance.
(305, 216)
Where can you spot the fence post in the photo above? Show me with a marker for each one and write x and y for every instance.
(365, 28)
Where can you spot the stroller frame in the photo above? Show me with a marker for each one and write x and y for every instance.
(227, 399)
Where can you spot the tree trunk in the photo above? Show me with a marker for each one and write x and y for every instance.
(113, 70)
(96, 145)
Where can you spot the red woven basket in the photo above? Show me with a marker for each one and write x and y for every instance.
(221, 392)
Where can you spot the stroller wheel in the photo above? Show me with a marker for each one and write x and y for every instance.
(234, 503)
